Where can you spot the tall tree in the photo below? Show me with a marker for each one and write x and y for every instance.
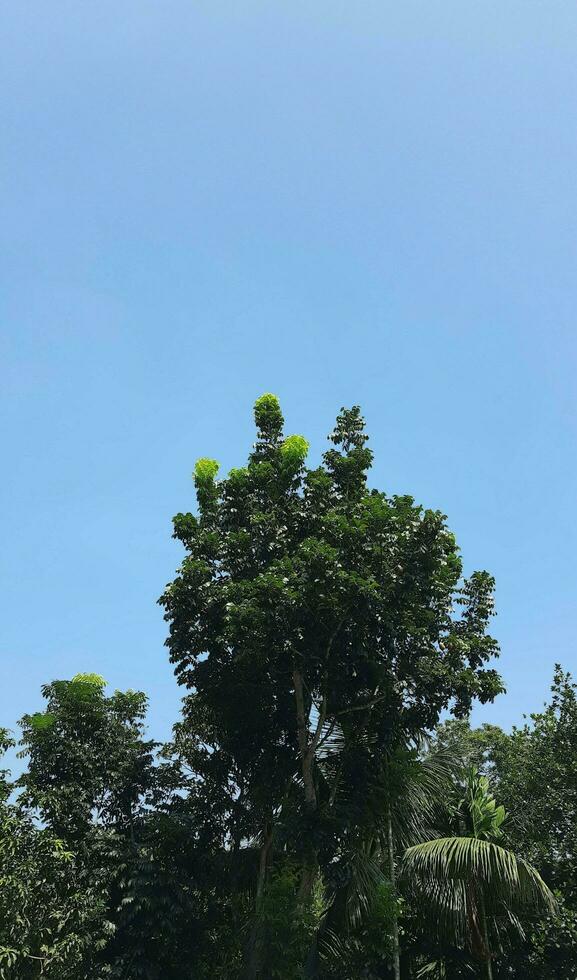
(305, 601)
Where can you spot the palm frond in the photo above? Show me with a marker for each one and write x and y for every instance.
(469, 859)
(427, 785)
(366, 876)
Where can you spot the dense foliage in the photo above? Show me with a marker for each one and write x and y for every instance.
(313, 815)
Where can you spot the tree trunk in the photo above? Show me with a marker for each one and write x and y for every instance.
(255, 950)
(393, 880)
(307, 750)
(485, 931)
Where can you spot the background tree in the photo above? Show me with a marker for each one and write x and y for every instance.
(53, 922)
(93, 781)
(533, 769)
(88, 764)
(472, 885)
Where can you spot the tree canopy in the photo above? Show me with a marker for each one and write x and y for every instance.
(324, 808)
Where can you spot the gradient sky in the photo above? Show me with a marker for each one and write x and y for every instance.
(339, 202)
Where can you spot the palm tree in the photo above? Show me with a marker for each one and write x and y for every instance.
(470, 883)
(402, 799)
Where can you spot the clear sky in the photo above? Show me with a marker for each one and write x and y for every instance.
(339, 202)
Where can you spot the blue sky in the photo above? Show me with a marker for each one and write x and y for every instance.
(338, 202)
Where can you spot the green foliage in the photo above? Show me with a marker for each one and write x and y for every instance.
(538, 781)
(238, 474)
(93, 782)
(6, 743)
(205, 471)
(294, 450)
(287, 925)
(534, 771)
(485, 816)
(42, 720)
(268, 416)
(550, 952)
(53, 921)
(87, 759)
(96, 679)
(363, 951)
(469, 889)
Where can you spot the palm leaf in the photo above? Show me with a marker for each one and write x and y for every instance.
(450, 876)
(469, 859)
(428, 783)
